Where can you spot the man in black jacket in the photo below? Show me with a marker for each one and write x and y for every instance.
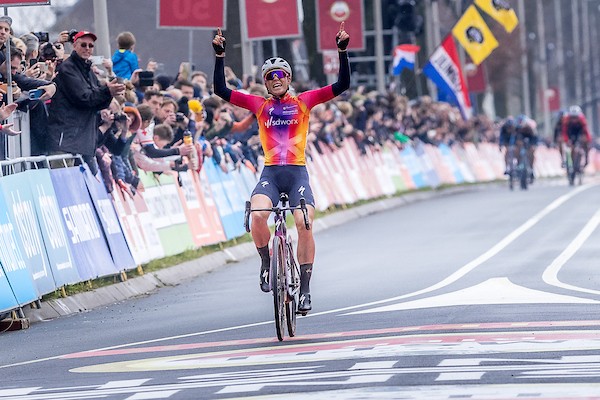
(72, 115)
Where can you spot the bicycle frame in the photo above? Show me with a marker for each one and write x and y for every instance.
(284, 274)
(574, 154)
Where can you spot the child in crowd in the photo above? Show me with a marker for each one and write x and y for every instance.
(124, 60)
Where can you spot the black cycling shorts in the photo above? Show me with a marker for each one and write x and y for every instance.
(290, 179)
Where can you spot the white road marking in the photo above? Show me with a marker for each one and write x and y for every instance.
(550, 275)
(492, 291)
(459, 376)
(17, 392)
(165, 394)
(124, 383)
(374, 365)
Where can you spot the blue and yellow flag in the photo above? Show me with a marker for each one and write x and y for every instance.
(474, 35)
(501, 11)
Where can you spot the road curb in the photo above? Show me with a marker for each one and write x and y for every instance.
(172, 276)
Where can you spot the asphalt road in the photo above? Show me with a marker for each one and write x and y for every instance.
(483, 294)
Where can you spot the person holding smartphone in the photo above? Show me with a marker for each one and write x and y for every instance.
(72, 115)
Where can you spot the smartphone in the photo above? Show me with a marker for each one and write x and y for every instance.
(32, 62)
(96, 60)
(36, 94)
(146, 78)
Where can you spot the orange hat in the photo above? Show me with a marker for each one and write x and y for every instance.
(136, 118)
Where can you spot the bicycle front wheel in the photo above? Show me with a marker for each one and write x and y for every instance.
(278, 286)
(292, 291)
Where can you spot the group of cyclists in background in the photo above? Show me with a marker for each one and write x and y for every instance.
(518, 140)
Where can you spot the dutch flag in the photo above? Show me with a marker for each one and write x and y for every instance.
(404, 57)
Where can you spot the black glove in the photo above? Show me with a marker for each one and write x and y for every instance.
(219, 49)
(342, 44)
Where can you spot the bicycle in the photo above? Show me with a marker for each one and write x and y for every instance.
(518, 165)
(284, 273)
(573, 158)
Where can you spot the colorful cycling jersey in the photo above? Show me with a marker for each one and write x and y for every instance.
(283, 123)
(575, 127)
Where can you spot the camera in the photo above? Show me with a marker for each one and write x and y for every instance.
(120, 117)
(43, 37)
(72, 34)
(179, 117)
(146, 78)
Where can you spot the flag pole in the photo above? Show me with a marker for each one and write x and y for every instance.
(543, 76)
(379, 63)
(524, 60)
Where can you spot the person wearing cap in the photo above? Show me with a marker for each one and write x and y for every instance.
(283, 122)
(72, 115)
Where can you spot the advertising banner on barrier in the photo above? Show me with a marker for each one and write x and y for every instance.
(49, 218)
(136, 240)
(410, 159)
(233, 223)
(21, 211)
(167, 213)
(141, 235)
(13, 259)
(216, 231)
(451, 162)
(81, 224)
(433, 180)
(393, 169)
(250, 180)
(195, 215)
(7, 297)
(109, 221)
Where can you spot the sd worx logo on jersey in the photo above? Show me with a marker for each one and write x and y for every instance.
(280, 122)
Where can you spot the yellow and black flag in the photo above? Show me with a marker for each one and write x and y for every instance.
(501, 11)
(474, 35)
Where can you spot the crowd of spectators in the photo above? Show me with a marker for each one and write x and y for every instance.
(122, 118)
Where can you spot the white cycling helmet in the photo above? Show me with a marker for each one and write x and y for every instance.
(276, 63)
(575, 111)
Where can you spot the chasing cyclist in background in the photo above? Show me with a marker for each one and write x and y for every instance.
(508, 137)
(526, 133)
(283, 128)
(574, 127)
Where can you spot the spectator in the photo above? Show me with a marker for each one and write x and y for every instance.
(124, 59)
(72, 123)
(145, 135)
(200, 81)
(32, 44)
(186, 87)
(154, 99)
(163, 135)
(38, 116)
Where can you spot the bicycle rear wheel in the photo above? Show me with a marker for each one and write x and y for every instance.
(278, 286)
(293, 287)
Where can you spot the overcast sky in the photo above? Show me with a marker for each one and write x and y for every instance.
(35, 18)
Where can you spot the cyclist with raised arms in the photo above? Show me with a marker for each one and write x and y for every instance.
(283, 128)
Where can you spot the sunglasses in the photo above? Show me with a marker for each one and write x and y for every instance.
(280, 74)
(85, 45)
